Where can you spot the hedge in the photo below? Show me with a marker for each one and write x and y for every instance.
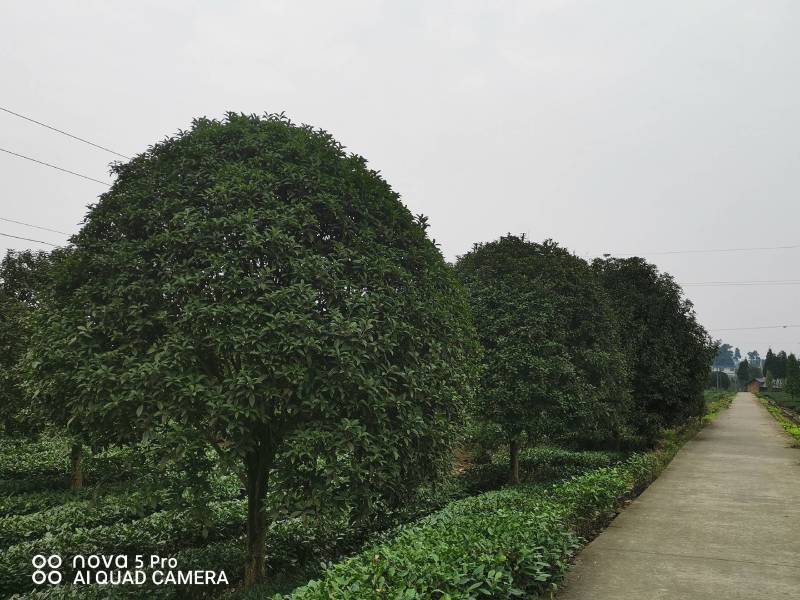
(515, 542)
(44, 464)
(74, 515)
(161, 533)
(537, 465)
(32, 502)
(501, 544)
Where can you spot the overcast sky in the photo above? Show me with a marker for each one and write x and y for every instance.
(613, 126)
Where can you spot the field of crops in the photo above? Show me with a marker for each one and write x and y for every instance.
(784, 399)
(130, 505)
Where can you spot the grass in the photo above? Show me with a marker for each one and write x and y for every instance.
(774, 407)
(716, 402)
(783, 399)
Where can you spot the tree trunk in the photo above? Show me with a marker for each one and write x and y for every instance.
(514, 462)
(76, 456)
(257, 480)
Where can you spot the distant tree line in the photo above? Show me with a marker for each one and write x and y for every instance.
(779, 370)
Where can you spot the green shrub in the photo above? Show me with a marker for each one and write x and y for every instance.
(295, 545)
(225, 556)
(31, 502)
(47, 457)
(83, 514)
(507, 543)
(161, 533)
(43, 464)
(537, 465)
(499, 543)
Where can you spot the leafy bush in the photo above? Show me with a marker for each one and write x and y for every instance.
(500, 543)
(225, 556)
(294, 545)
(512, 542)
(161, 533)
(65, 518)
(540, 464)
(45, 460)
(31, 502)
(44, 463)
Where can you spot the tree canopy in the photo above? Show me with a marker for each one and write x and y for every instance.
(552, 352)
(769, 363)
(775, 364)
(251, 281)
(792, 385)
(669, 352)
(724, 358)
(779, 369)
(743, 373)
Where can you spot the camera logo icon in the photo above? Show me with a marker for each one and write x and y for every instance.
(46, 569)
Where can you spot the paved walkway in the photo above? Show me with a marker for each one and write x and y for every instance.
(721, 523)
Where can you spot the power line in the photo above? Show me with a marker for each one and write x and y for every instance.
(751, 328)
(746, 283)
(34, 226)
(75, 137)
(28, 239)
(41, 162)
(704, 251)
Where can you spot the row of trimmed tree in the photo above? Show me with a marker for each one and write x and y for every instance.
(249, 285)
(602, 354)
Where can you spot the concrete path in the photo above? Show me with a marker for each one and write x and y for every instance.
(721, 523)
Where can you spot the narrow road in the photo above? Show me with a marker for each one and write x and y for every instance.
(721, 523)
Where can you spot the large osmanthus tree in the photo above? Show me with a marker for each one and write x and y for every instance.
(669, 351)
(553, 361)
(250, 280)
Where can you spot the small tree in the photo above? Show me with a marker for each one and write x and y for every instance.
(781, 362)
(552, 355)
(252, 282)
(792, 385)
(770, 380)
(769, 364)
(743, 373)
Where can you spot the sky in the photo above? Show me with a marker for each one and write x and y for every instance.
(614, 126)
